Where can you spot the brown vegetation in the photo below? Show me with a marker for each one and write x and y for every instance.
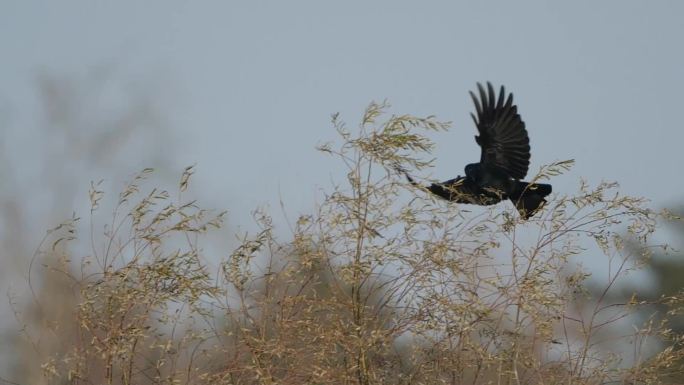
(380, 285)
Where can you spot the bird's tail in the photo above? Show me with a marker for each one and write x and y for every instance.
(528, 198)
(401, 170)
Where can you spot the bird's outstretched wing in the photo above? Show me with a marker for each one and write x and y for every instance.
(503, 137)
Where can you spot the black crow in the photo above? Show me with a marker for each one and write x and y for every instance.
(504, 161)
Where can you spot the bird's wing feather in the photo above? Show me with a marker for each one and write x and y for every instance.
(503, 137)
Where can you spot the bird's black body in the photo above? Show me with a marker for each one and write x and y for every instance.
(504, 161)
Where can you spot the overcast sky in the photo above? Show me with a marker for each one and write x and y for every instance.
(248, 87)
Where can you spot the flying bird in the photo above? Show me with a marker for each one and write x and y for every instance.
(504, 161)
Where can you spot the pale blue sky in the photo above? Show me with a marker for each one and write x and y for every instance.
(248, 87)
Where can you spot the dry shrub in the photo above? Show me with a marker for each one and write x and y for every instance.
(382, 284)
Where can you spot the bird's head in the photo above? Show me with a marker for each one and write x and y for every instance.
(472, 170)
